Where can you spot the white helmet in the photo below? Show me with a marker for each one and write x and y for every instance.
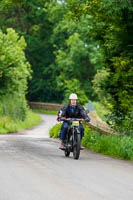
(73, 96)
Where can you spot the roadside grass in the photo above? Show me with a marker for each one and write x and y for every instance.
(50, 112)
(7, 125)
(112, 145)
(115, 146)
(13, 106)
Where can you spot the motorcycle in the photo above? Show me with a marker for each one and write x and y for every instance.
(73, 137)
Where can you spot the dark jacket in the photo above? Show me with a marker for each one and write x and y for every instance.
(79, 112)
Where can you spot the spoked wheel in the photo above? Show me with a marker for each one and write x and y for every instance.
(76, 147)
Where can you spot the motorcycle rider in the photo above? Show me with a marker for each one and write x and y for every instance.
(72, 110)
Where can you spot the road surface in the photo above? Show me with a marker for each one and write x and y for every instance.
(33, 168)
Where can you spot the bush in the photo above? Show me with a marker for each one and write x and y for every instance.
(74, 86)
(115, 89)
(8, 125)
(101, 110)
(55, 130)
(115, 146)
(14, 69)
(122, 124)
(13, 106)
(14, 72)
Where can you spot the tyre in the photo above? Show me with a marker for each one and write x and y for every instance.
(67, 153)
(76, 146)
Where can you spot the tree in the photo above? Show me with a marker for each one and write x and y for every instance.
(77, 55)
(111, 27)
(113, 21)
(14, 72)
(14, 68)
(29, 19)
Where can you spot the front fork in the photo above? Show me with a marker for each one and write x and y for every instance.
(71, 139)
(75, 131)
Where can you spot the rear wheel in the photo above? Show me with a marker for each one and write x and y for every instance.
(76, 146)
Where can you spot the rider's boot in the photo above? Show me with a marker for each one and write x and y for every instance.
(62, 145)
(81, 147)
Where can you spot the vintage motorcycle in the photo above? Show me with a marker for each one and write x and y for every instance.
(73, 137)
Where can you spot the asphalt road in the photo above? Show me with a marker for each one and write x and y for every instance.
(33, 168)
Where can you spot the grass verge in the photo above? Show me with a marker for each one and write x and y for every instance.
(50, 112)
(116, 146)
(7, 125)
(112, 145)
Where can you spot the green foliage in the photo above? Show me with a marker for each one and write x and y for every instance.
(71, 59)
(8, 125)
(74, 86)
(117, 94)
(123, 81)
(80, 57)
(75, 9)
(48, 33)
(99, 84)
(118, 91)
(70, 40)
(112, 145)
(122, 124)
(13, 106)
(112, 26)
(55, 130)
(14, 72)
(14, 69)
(29, 18)
(101, 110)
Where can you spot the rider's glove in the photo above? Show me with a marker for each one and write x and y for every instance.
(58, 119)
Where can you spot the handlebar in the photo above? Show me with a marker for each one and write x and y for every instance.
(71, 119)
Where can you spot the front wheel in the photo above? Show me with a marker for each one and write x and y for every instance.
(76, 146)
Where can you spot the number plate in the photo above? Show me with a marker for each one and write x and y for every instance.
(75, 123)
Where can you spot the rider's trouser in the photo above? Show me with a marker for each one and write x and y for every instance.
(64, 128)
